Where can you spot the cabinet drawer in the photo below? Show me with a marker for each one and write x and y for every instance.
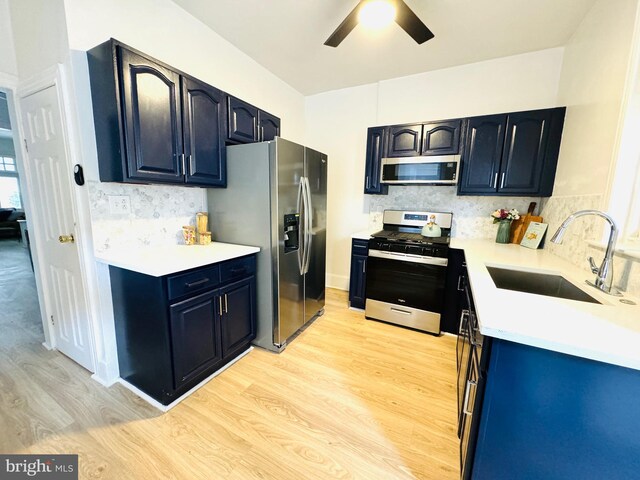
(193, 282)
(238, 268)
(359, 247)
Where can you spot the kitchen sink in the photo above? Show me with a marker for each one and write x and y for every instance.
(538, 284)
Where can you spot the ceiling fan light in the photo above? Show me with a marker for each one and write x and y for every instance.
(376, 14)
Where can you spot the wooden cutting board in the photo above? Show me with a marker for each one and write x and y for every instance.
(519, 227)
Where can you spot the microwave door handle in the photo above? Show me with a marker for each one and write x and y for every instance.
(300, 229)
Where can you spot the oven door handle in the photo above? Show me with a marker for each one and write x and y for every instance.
(405, 257)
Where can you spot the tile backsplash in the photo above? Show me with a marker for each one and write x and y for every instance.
(157, 215)
(471, 215)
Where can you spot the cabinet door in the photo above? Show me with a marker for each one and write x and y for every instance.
(238, 320)
(375, 147)
(242, 119)
(203, 120)
(441, 138)
(358, 277)
(482, 154)
(152, 118)
(404, 141)
(268, 126)
(523, 157)
(195, 336)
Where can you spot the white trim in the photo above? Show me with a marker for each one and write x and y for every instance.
(166, 408)
(340, 282)
(8, 80)
(44, 79)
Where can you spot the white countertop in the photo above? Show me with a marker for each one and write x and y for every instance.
(364, 234)
(609, 332)
(163, 260)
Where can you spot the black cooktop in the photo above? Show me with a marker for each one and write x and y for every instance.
(409, 237)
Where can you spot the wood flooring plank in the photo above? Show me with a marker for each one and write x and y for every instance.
(349, 398)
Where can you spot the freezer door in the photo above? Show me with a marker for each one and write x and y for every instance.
(316, 175)
(287, 167)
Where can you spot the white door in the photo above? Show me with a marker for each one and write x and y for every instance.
(48, 170)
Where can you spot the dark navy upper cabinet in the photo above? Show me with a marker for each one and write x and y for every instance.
(531, 152)
(153, 123)
(268, 126)
(512, 154)
(482, 154)
(404, 141)
(204, 113)
(242, 120)
(373, 162)
(358, 276)
(441, 138)
(152, 119)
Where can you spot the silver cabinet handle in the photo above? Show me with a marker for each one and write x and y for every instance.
(220, 305)
(368, 184)
(184, 165)
(495, 180)
(226, 309)
(191, 169)
(460, 289)
(466, 397)
(502, 180)
(364, 267)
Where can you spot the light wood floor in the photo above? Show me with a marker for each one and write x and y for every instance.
(349, 398)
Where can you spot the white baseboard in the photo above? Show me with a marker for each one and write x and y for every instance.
(341, 282)
(47, 346)
(166, 408)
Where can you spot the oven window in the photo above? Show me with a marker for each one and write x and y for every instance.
(404, 283)
(411, 172)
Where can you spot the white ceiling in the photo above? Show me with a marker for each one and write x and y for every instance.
(287, 36)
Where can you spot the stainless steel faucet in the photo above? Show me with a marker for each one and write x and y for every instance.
(604, 274)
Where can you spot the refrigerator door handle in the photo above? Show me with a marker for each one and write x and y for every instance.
(300, 251)
(308, 226)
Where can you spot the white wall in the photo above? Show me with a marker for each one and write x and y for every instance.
(163, 30)
(592, 86)
(337, 123)
(39, 34)
(7, 52)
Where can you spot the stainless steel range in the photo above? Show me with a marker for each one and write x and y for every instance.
(406, 270)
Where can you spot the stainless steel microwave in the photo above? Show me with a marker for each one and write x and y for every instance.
(436, 170)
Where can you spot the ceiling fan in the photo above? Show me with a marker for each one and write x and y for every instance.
(394, 9)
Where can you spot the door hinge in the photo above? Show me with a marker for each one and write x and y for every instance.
(52, 321)
(25, 144)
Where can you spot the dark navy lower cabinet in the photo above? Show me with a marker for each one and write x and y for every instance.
(174, 331)
(550, 415)
(358, 274)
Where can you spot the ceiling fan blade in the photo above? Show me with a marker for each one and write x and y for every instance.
(344, 29)
(411, 24)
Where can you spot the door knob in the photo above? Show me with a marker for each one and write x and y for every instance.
(66, 239)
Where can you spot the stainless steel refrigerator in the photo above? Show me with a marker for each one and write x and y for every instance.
(276, 199)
